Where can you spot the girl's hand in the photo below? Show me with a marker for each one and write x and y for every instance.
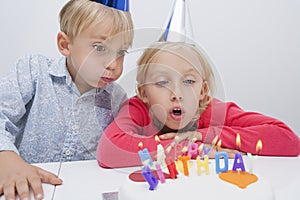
(231, 152)
(178, 137)
(17, 177)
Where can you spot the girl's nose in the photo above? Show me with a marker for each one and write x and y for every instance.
(176, 95)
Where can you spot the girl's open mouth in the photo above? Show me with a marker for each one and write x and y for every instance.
(177, 113)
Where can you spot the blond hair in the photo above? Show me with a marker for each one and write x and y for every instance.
(203, 66)
(78, 15)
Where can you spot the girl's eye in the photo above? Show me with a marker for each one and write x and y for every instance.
(122, 52)
(161, 83)
(98, 47)
(188, 82)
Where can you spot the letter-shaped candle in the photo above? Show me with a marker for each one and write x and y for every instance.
(149, 177)
(184, 160)
(161, 156)
(218, 157)
(160, 173)
(144, 154)
(202, 164)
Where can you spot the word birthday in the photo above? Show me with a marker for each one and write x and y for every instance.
(237, 175)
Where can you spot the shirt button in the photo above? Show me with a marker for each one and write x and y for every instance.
(74, 127)
(68, 152)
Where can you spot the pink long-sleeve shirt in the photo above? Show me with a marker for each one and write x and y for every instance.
(118, 145)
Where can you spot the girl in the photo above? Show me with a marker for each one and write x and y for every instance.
(175, 98)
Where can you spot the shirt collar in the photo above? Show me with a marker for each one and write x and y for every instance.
(59, 69)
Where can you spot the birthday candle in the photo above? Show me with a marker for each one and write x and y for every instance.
(238, 159)
(184, 160)
(253, 158)
(206, 150)
(193, 149)
(161, 156)
(172, 168)
(149, 177)
(144, 154)
(219, 155)
(160, 173)
(202, 164)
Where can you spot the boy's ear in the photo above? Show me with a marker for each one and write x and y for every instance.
(63, 43)
(204, 90)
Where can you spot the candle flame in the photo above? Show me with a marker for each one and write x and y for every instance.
(157, 139)
(258, 146)
(140, 145)
(184, 149)
(194, 139)
(219, 143)
(200, 148)
(214, 141)
(238, 141)
(176, 139)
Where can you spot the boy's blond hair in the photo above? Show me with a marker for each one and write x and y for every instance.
(177, 48)
(78, 15)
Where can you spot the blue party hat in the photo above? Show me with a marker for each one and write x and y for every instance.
(179, 28)
(117, 4)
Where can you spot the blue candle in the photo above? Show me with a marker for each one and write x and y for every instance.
(218, 157)
(144, 155)
(149, 177)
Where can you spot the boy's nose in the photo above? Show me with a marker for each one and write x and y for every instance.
(114, 64)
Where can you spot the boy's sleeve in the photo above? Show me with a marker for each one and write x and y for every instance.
(16, 90)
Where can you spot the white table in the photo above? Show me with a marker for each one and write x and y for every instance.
(86, 180)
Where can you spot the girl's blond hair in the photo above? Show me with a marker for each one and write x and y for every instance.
(203, 66)
(78, 15)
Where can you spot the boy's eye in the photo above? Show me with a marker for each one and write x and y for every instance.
(122, 52)
(188, 82)
(98, 47)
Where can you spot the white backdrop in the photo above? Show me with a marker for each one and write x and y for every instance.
(255, 45)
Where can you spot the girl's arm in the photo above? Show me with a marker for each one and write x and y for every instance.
(227, 119)
(118, 146)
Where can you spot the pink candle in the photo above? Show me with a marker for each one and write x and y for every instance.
(193, 150)
(160, 173)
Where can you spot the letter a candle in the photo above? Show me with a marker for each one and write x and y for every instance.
(239, 177)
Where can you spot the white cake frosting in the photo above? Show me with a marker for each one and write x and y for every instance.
(195, 186)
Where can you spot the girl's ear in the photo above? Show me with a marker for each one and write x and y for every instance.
(204, 90)
(142, 92)
(63, 43)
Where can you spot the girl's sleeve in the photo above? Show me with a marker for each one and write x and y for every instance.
(16, 90)
(118, 146)
(227, 120)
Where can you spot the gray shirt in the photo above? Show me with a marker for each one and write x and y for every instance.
(44, 118)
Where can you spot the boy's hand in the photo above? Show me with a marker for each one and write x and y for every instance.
(17, 177)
